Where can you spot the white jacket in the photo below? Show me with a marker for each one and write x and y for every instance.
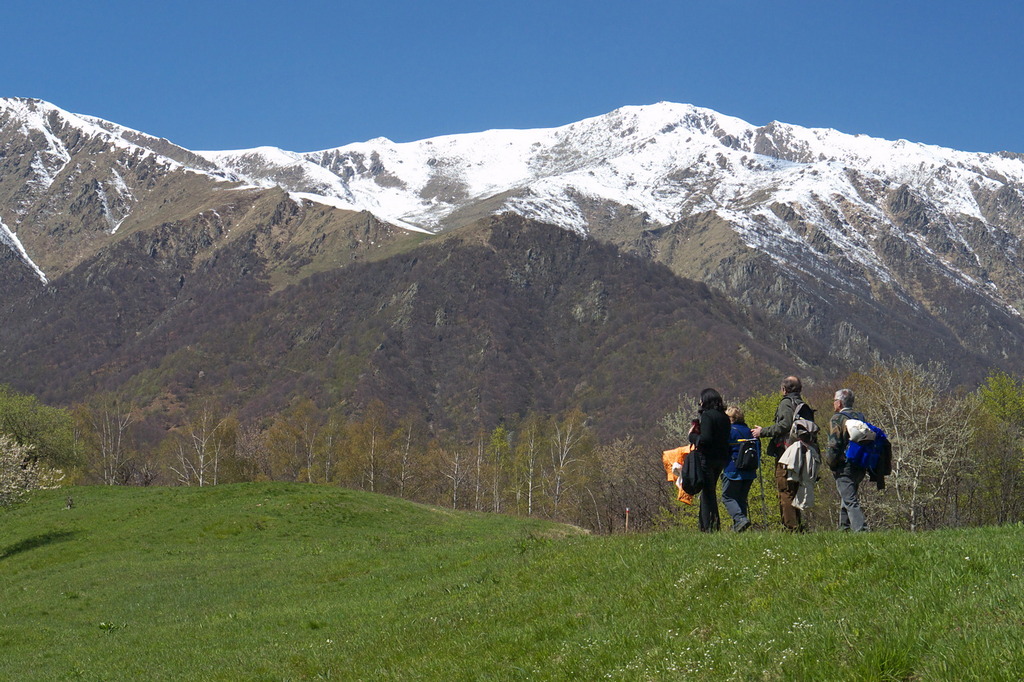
(802, 462)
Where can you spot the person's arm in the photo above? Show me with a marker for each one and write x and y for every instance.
(734, 442)
(835, 451)
(693, 437)
(783, 421)
(702, 439)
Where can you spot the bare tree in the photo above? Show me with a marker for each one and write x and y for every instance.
(478, 478)
(628, 479)
(370, 440)
(931, 429)
(333, 439)
(499, 448)
(527, 461)
(202, 444)
(404, 473)
(568, 445)
(107, 423)
(454, 470)
(252, 454)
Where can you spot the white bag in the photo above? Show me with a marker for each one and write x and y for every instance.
(859, 431)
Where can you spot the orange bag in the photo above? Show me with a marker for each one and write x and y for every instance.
(677, 456)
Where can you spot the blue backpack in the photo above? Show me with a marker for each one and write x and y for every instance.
(867, 454)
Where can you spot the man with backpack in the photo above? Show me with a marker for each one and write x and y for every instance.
(791, 407)
(847, 474)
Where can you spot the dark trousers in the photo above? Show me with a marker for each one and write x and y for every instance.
(787, 491)
(708, 518)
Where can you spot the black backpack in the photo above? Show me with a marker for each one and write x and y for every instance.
(803, 411)
(692, 475)
(748, 458)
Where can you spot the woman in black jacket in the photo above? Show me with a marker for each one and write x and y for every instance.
(710, 436)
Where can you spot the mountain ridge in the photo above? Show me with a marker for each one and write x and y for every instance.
(832, 250)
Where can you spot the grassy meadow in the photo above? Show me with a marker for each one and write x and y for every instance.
(302, 582)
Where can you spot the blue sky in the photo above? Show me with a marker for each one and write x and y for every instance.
(303, 76)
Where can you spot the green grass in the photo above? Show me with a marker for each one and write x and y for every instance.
(301, 582)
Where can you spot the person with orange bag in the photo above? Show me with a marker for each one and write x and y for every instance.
(710, 437)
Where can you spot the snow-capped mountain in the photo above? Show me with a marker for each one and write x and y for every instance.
(871, 246)
(882, 221)
(665, 160)
(73, 185)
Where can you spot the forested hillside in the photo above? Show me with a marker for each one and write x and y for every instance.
(488, 323)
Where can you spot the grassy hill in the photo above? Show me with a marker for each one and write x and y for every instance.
(297, 582)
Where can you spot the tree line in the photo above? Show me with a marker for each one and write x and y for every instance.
(548, 466)
(958, 454)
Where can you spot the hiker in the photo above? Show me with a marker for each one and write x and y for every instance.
(777, 433)
(710, 436)
(736, 482)
(847, 474)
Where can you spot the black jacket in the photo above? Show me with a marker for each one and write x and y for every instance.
(714, 436)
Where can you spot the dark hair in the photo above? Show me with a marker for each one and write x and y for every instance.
(710, 399)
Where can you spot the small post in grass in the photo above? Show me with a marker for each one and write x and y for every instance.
(627, 519)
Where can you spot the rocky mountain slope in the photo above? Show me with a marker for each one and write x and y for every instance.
(121, 254)
(492, 321)
(72, 186)
(873, 246)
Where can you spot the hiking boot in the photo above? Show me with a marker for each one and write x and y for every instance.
(741, 526)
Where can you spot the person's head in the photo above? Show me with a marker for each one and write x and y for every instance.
(710, 399)
(792, 385)
(843, 399)
(734, 414)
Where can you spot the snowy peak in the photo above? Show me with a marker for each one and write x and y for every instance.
(666, 160)
(69, 182)
(63, 131)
